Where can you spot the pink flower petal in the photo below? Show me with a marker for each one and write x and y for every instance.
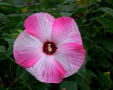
(27, 49)
(71, 56)
(40, 25)
(48, 70)
(65, 30)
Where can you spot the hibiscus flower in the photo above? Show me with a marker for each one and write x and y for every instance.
(50, 49)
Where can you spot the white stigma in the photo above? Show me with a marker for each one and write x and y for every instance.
(49, 48)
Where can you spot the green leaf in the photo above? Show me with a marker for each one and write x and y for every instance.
(6, 8)
(107, 10)
(5, 4)
(2, 88)
(107, 23)
(109, 2)
(82, 72)
(66, 14)
(91, 74)
(43, 87)
(105, 80)
(3, 19)
(2, 56)
(19, 3)
(2, 53)
(2, 49)
(10, 48)
(108, 44)
(69, 85)
(68, 1)
(82, 84)
(65, 8)
(22, 74)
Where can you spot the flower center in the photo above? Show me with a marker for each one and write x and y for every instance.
(49, 48)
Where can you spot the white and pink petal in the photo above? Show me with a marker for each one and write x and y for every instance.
(48, 70)
(27, 49)
(71, 56)
(65, 30)
(40, 25)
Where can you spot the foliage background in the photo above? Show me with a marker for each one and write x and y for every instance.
(95, 21)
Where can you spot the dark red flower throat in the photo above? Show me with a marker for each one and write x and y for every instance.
(49, 48)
